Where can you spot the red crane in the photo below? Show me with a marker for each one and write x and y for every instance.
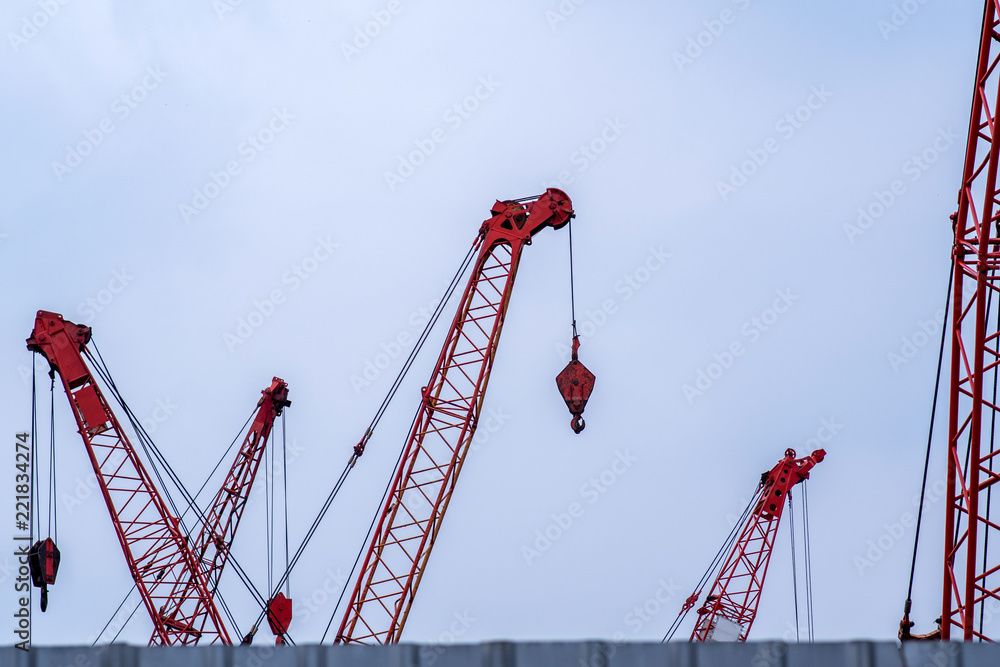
(176, 582)
(446, 420)
(731, 604)
(974, 360)
(211, 546)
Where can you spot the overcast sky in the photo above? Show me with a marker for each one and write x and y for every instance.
(228, 191)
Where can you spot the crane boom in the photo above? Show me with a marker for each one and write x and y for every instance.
(731, 604)
(155, 549)
(974, 360)
(450, 405)
(211, 546)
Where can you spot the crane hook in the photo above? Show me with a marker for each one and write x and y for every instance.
(575, 384)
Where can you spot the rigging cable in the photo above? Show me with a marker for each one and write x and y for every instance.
(204, 484)
(727, 546)
(989, 489)
(34, 517)
(268, 515)
(810, 622)
(53, 509)
(927, 454)
(795, 584)
(359, 448)
(152, 451)
(284, 486)
(572, 281)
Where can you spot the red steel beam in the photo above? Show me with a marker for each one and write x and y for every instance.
(974, 358)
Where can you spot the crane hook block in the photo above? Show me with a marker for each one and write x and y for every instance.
(575, 384)
(43, 563)
(279, 615)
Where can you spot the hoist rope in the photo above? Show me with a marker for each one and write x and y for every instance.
(284, 486)
(724, 550)
(930, 436)
(989, 489)
(807, 548)
(795, 583)
(268, 515)
(53, 498)
(35, 517)
(572, 280)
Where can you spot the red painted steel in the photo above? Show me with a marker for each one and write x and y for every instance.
(736, 591)
(155, 549)
(212, 545)
(446, 421)
(576, 383)
(974, 360)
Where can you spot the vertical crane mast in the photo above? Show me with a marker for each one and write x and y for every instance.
(974, 359)
(211, 546)
(157, 553)
(446, 421)
(731, 604)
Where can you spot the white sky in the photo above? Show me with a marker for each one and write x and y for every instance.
(665, 133)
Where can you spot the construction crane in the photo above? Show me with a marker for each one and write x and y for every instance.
(731, 604)
(176, 581)
(969, 595)
(435, 451)
(970, 600)
(212, 545)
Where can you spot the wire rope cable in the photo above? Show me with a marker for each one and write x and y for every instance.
(724, 550)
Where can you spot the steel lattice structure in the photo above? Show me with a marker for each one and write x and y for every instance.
(735, 594)
(974, 360)
(155, 549)
(212, 545)
(451, 402)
